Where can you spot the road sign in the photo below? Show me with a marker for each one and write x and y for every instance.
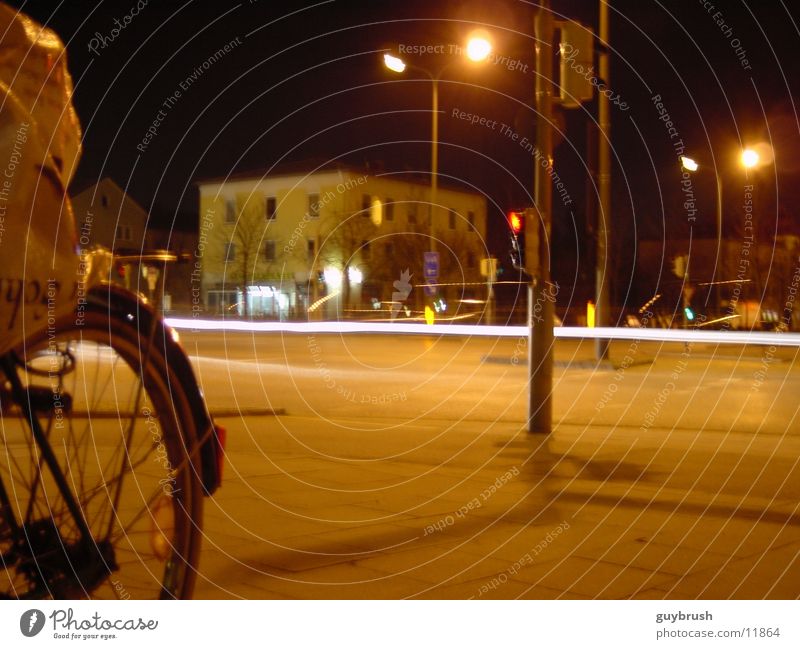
(431, 266)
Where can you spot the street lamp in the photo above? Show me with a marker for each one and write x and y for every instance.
(477, 49)
(394, 63)
(749, 159)
(689, 164)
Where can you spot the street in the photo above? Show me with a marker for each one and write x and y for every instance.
(398, 466)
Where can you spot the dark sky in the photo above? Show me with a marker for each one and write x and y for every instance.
(303, 80)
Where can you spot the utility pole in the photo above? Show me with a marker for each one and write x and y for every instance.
(602, 272)
(537, 240)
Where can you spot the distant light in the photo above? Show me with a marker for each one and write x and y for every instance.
(333, 277)
(689, 313)
(393, 63)
(750, 158)
(376, 211)
(515, 222)
(590, 314)
(430, 316)
(478, 48)
(355, 275)
(688, 163)
(311, 309)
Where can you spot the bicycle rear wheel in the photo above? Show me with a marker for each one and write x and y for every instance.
(120, 430)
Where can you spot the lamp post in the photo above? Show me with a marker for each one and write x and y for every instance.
(749, 159)
(691, 166)
(477, 49)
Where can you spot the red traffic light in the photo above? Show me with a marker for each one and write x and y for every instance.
(516, 222)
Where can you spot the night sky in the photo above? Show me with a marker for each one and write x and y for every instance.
(304, 81)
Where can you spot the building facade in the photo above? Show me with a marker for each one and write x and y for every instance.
(106, 216)
(333, 241)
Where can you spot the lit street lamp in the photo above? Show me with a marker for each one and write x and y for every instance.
(690, 165)
(478, 49)
(749, 159)
(394, 63)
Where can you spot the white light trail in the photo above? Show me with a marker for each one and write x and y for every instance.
(515, 331)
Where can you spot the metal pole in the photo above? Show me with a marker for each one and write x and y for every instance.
(602, 313)
(434, 158)
(719, 241)
(540, 305)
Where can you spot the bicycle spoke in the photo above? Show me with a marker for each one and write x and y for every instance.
(124, 469)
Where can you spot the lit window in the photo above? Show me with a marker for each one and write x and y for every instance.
(376, 211)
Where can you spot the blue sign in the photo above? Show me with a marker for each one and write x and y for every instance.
(430, 266)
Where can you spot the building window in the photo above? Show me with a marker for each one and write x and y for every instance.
(311, 249)
(471, 219)
(451, 218)
(389, 209)
(412, 212)
(230, 210)
(230, 252)
(389, 250)
(470, 259)
(124, 232)
(269, 250)
(104, 200)
(365, 252)
(271, 208)
(366, 205)
(313, 206)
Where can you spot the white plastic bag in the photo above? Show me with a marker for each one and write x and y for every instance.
(42, 272)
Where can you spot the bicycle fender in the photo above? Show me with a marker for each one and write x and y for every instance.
(128, 306)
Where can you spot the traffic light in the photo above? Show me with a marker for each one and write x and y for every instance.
(689, 313)
(516, 223)
(576, 52)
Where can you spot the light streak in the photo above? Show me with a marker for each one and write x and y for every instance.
(510, 331)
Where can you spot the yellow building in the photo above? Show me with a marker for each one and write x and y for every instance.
(332, 241)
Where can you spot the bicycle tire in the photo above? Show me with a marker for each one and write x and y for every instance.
(122, 431)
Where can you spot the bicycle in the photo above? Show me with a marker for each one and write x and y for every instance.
(107, 449)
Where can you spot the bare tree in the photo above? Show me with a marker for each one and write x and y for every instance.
(243, 247)
(346, 241)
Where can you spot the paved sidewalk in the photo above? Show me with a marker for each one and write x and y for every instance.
(434, 508)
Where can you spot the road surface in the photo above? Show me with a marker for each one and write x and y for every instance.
(398, 466)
